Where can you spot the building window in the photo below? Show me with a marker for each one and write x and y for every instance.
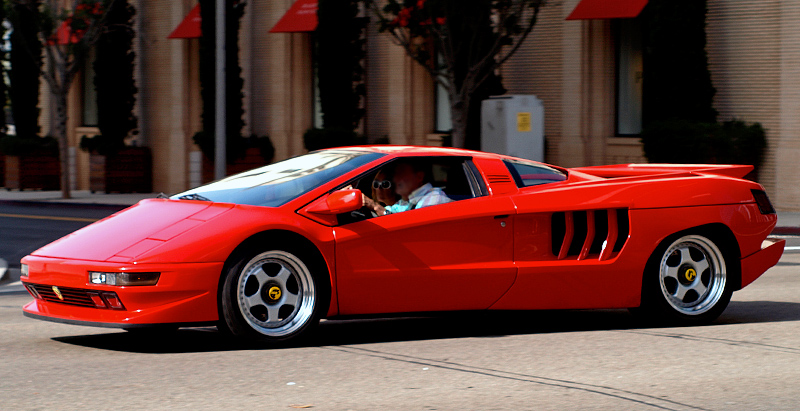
(444, 122)
(316, 103)
(629, 77)
(317, 106)
(89, 103)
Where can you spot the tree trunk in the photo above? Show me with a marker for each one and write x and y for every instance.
(459, 112)
(459, 132)
(63, 144)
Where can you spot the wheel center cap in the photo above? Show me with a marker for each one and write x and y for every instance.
(274, 293)
(689, 276)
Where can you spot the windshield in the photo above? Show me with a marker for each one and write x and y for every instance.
(279, 183)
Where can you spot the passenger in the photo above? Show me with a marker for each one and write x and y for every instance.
(412, 184)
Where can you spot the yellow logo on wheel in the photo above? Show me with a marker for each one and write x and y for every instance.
(274, 293)
(690, 274)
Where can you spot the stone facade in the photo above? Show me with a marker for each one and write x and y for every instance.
(753, 48)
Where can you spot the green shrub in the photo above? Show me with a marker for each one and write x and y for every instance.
(748, 142)
(101, 145)
(24, 66)
(264, 144)
(319, 138)
(687, 142)
(235, 147)
(678, 141)
(13, 145)
(114, 82)
(234, 84)
(340, 51)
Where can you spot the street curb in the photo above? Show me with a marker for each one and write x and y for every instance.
(3, 270)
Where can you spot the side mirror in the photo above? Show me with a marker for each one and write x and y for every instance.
(338, 202)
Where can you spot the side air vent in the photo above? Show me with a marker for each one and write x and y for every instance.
(499, 179)
(589, 234)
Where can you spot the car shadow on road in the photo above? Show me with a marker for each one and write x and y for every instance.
(420, 328)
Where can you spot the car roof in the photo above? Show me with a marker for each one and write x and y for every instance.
(421, 151)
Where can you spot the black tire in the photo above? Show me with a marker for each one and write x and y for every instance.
(687, 281)
(273, 296)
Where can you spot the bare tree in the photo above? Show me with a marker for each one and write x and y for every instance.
(67, 35)
(459, 42)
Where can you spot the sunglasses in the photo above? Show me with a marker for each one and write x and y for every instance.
(385, 184)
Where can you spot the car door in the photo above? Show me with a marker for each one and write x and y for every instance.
(454, 256)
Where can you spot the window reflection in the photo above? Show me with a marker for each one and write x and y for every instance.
(277, 184)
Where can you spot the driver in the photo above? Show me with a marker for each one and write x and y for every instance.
(382, 190)
(412, 184)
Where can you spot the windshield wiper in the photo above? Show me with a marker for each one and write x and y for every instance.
(197, 197)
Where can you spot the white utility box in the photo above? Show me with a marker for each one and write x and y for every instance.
(513, 125)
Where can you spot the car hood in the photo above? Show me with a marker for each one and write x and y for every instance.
(133, 231)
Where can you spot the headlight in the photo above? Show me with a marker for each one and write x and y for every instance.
(24, 270)
(123, 279)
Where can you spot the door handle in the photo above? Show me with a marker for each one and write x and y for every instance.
(500, 217)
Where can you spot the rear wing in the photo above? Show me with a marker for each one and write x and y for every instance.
(638, 170)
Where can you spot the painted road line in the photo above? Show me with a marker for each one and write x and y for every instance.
(48, 217)
(791, 248)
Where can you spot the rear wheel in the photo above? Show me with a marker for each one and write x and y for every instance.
(272, 296)
(687, 282)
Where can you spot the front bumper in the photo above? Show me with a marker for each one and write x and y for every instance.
(185, 293)
(762, 260)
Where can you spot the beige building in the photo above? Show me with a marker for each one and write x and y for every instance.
(585, 72)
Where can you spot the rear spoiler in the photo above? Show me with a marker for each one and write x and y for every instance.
(634, 170)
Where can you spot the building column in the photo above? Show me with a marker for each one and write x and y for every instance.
(787, 168)
(173, 161)
(588, 93)
(282, 84)
(411, 101)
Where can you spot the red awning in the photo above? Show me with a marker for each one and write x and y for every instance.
(607, 9)
(301, 17)
(189, 27)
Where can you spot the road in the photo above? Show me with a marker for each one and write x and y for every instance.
(749, 359)
(24, 227)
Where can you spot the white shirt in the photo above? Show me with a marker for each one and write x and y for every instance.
(425, 196)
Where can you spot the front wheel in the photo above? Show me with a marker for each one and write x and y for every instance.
(272, 296)
(690, 284)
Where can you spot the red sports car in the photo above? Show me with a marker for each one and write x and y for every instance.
(267, 253)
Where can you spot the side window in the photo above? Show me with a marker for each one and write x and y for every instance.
(531, 174)
(392, 185)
